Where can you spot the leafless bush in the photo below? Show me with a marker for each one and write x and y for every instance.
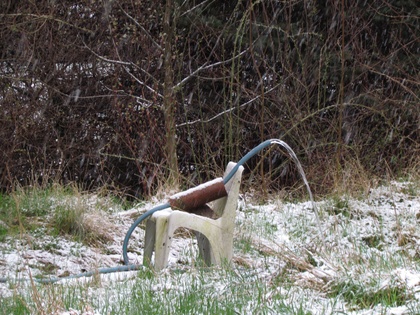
(83, 90)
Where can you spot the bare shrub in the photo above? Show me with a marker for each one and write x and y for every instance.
(83, 91)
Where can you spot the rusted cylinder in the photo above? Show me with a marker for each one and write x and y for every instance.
(199, 195)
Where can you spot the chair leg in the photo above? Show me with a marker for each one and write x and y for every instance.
(226, 249)
(204, 247)
(163, 243)
(149, 242)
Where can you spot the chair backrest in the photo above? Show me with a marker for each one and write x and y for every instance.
(225, 207)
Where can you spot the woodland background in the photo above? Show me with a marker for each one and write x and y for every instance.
(135, 95)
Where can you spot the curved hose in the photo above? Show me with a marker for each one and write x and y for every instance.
(80, 275)
(127, 266)
(226, 179)
(147, 214)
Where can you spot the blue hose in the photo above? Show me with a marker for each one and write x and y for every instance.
(249, 155)
(227, 178)
(92, 273)
(127, 266)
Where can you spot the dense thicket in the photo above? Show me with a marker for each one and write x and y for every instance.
(83, 87)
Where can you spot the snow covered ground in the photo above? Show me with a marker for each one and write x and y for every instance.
(363, 250)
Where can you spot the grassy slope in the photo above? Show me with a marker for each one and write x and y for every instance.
(363, 260)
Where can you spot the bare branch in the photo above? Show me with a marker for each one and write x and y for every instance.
(189, 123)
(142, 83)
(47, 17)
(195, 7)
(123, 93)
(118, 62)
(145, 72)
(142, 28)
(125, 64)
(205, 67)
(398, 81)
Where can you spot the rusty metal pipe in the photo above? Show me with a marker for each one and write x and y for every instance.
(198, 196)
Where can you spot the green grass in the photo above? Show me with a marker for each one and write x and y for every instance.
(63, 210)
(68, 219)
(363, 249)
(14, 305)
(27, 208)
(361, 296)
(240, 292)
(3, 232)
(411, 189)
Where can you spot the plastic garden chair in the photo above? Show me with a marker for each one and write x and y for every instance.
(214, 235)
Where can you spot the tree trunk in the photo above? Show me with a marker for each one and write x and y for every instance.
(169, 102)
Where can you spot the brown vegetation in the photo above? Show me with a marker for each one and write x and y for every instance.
(83, 86)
